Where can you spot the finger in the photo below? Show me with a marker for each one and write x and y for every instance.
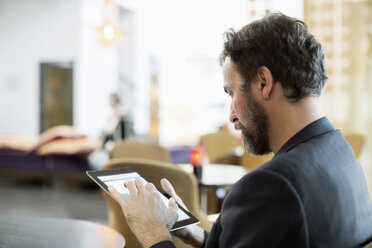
(131, 187)
(168, 188)
(117, 196)
(139, 184)
(172, 205)
(150, 187)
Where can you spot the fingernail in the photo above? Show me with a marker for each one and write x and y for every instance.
(109, 188)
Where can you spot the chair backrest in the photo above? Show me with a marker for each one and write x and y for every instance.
(184, 183)
(219, 145)
(356, 142)
(367, 244)
(251, 162)
(138, 149)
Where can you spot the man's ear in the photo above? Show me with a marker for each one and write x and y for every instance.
(266, 81)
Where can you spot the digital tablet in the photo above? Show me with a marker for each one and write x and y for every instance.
(116, 178)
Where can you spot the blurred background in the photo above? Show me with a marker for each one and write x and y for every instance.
(60, 60)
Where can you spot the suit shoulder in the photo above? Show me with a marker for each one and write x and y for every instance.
(266, 182)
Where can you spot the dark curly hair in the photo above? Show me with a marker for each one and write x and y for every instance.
(284, 45)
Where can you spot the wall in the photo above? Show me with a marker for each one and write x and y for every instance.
(53, 31)
(186, 38)
(96, 75)
(32, 32)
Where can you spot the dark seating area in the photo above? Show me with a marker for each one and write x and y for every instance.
(28, 165)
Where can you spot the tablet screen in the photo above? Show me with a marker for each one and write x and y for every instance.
(117, 181)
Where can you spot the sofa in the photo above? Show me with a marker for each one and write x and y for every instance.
(59, 152)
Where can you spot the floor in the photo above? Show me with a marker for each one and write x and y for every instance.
(61, 200)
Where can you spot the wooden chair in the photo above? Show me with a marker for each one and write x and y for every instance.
(138, 149)
(184, 183)
(356, 142)
(220, 146)
(251, 162)
(369, 245)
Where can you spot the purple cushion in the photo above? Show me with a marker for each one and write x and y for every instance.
(180, 154)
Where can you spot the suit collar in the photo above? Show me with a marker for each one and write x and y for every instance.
(315, 128)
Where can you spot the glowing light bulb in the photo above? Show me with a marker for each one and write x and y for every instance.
(109, 32)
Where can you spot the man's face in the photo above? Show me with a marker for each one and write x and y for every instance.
(113, 101)
(245, 112)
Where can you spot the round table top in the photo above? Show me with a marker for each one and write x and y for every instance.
(57, 233)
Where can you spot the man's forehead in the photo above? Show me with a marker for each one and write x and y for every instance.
(226, 80)
(229, 69)
(230, 74)
(226, 63)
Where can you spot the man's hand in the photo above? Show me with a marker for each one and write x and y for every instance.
(193, 234)
(147, 216)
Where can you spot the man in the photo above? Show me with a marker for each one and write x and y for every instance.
(312, 193)
(115, 126)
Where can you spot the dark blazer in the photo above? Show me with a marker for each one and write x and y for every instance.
(311, 194)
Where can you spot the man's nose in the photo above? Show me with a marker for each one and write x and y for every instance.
(232, 116)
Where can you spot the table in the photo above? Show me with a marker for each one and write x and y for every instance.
(57, 233)
(215, 175)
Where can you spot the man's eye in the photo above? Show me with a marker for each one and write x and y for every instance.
(229, 93)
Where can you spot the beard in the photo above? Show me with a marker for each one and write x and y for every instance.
(256, 138)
